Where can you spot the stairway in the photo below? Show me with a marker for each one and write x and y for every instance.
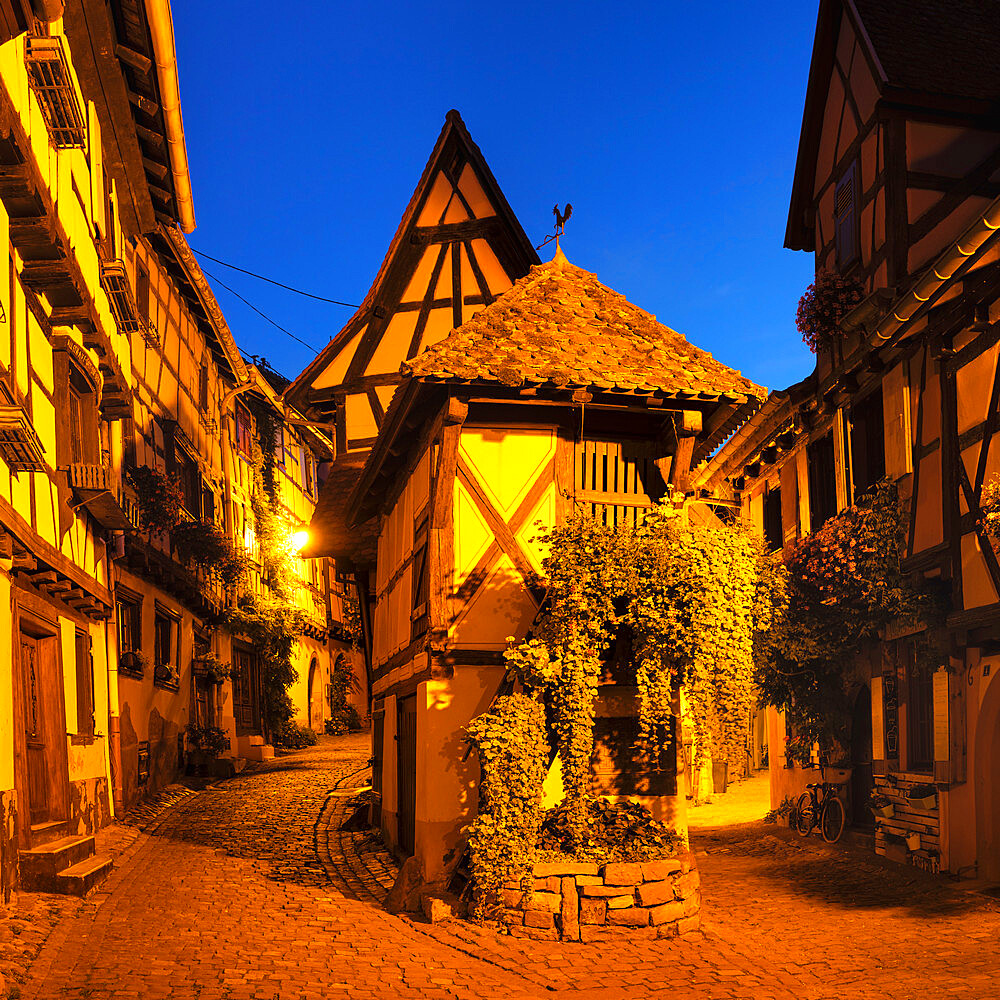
(254, 748)
(61, 863)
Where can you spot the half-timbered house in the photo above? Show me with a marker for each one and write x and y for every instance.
(559, 395)
(115, 356)
(896, 186)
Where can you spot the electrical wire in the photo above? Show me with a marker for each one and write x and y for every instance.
(280, 284)
(287, 333)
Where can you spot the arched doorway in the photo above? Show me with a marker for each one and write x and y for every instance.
(862, 781)
(315, 696)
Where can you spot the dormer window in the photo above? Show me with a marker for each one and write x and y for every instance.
(845, 217)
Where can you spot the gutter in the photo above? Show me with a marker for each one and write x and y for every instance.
(161, 30)
(907, 306)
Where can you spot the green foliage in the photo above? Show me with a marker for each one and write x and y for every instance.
(211, 666)
(825, 303)
(159, 498)
(783, 811)
(272, 626)
(839, 587)
(989, 506)
(681, 598)
(209, 547)
(343, 721)
(208, 739)
(616, 831)
(513, 753)
(344, 717)
(294, 737)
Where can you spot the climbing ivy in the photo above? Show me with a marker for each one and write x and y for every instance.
(668, 602)
(513, 752)
(273, 627)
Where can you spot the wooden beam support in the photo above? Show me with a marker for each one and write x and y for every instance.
(134, 59)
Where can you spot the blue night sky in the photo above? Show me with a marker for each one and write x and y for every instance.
(671, 127)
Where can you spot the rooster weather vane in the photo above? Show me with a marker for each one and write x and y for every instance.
(561, 219)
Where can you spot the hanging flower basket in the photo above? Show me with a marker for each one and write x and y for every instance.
(886, 812)
(923, 796)
(825, 303)
(913, 841)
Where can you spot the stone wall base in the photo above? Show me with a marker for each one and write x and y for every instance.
(582, 901)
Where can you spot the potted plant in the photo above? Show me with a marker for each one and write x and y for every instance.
(881, 805)
(923, 796)
(166, 674)
(211, 666)
(206, 743)
(133, 661)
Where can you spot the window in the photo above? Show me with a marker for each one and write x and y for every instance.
(867, 443)
(78, 418)
(244, 443)
(308, 479)
(129, 614)
(190, 478)
(84, 685)
(164, 643)
(142, 293)
(822, 482)
(845, 217)
(920, 720)
(203, 389)
(208, 505)
(773, 535)
(421, 580)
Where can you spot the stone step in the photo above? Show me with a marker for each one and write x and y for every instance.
(265, 752)
(45, 833)
(81, 878)
(41, 864)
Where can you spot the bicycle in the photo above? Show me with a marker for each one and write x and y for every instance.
(820, 806)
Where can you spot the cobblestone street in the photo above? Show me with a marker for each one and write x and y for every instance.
(249, 890)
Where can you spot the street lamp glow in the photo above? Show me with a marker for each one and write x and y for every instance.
(299, 539)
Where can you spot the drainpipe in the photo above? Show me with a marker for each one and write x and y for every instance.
(161, 30)
(114, 719)
(966, 246)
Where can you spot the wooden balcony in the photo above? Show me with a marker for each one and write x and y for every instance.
(20, 446)
(97, 489)
(116, 286)
(52, 82)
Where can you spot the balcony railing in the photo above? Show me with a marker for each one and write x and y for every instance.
(96, 488)
(52, 82)
(20, 446)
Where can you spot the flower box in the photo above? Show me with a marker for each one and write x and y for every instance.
(886, 812)
(913, 841)
(924, 802)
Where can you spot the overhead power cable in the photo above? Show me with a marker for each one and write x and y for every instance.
(280, 284)
(263, 315)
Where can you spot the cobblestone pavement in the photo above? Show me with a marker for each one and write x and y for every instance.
(249, 891)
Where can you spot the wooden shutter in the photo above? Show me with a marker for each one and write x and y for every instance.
(84, 685)
(845, 214)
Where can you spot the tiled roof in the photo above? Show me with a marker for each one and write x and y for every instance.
(937, 46)
(328, 530)
(560, 326)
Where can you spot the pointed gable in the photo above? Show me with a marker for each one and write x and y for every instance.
(458, 247)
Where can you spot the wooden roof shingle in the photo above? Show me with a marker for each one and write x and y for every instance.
(560, 326)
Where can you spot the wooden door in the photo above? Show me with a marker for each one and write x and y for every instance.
(406, 772)
(862, 780)
(246, 692)
(314, 695)
(34, 730)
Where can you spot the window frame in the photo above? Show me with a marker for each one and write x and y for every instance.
(770, 500)
(919, 719)
(846, 227)
(85, 695)
(865, 430)
(244, 431)
(162, 615)
(828, 508)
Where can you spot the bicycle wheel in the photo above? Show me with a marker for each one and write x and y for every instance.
(832, 819)
(805, 815)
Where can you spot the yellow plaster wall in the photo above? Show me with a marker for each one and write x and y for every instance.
(6, 686)
(447, 785)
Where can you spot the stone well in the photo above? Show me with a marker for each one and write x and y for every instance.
(581, 901)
